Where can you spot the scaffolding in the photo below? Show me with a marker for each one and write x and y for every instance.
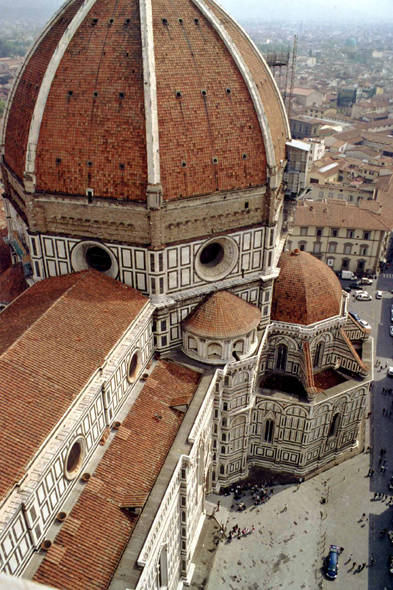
(283, 66)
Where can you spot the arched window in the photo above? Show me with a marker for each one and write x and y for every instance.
(318, 355)
(239, 346)
(214, 350)
(282, 353)
(215, 429)
(192, 344)
(223, 450)
(334, 425)
(269, 431)
(224, 437)
(222, 469)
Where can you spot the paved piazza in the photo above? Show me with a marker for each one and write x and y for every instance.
(287, 548)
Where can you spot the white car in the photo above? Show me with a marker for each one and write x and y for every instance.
(364, 324)
(378, 295)
(360, 292)
(391, 330)
(390, 371)
(364, 297)
(366, 281)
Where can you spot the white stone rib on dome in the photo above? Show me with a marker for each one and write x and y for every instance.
(245, 72)
(45, 87)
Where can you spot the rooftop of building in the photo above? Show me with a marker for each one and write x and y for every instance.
(307, 290)
(209, 111)
(222, 315)
(328, 214)
(100, 521)
(12, 283)
(53, 338)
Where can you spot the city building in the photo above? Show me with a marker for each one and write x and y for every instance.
(344, 236)
(166, 346)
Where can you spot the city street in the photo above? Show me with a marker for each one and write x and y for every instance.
(289, 544)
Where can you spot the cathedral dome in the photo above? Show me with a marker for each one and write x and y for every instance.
(223, 328)
(118, 96)
(306, 291)
(223, 315)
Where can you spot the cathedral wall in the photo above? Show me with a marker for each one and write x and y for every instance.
(167, 553)
(32, 507)
(170, 271)
(298, 439)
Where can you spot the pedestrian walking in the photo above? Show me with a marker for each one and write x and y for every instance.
(372, 561)
(353, 565)
(285, 508)
(363, 565)
(372, 472)
(218, 506)
(363, 516)
(383, 412)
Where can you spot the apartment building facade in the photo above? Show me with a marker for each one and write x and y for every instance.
(345, 237)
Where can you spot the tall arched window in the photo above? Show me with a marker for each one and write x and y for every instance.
(334, 425)
(214, 350)
(163, 569)
(239, 346)
(318, 355)
(269, 431)
(282, 353)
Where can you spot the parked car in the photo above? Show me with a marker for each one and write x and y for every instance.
(378, 295)
(364, 324)
(353, 285)
(390, 372)
(366, 281)
(391, 330)
(355, 315)
(348, 290)
(364, 297)
(331, 562)
(360, 292)
(391, 316)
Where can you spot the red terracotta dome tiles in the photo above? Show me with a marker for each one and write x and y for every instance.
(307, 290)
(223, 315)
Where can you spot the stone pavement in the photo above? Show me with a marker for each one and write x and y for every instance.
(288, 547)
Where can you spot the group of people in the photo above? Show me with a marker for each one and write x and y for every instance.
(236, 531)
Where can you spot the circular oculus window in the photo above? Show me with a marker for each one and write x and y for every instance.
(133, 367)
(93, 255)
(75, 457)
(216, 258)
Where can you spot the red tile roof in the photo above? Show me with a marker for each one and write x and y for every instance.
(52, 339)
(12, 283)
(85, 557)
(327, 379)
(306, 291)
(338, 215)
(5, 253)
(222, 315)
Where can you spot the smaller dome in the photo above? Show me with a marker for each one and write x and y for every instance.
(306, 291)
(223, 315)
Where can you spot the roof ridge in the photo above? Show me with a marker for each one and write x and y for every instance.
(81, 274)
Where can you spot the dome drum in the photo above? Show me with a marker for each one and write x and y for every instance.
(222, 329)
(217, 351)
